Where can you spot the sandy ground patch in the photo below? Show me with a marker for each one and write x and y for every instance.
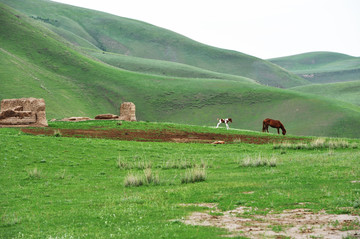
(297, 223)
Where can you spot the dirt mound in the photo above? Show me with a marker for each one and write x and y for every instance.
(158, 135)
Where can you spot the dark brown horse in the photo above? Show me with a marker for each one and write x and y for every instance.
(274, 124)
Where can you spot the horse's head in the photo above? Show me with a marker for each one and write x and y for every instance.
(284, 131)
(230, 120)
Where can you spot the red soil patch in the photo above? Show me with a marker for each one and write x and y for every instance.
(158, 135)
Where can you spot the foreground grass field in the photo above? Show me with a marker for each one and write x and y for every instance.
(65, 187)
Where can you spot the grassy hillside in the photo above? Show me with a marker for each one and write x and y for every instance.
(322, 67)
(97, 30)
(344, 91)
(158, 67)
(35, 62)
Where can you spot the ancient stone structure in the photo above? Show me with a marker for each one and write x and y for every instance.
(23, 112)
(76, 119)
(127, 111)
(107, 117)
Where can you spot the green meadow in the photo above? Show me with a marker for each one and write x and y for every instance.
(60, 187)
(85, 63)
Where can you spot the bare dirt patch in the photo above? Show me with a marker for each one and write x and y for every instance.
(158, 135)
(297, 223)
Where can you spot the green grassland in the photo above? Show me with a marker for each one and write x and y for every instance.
(158, 67)
(322, 67)
(335, 75)
(105, 32)
(62, 187)
(344, 91)
(36, 62)
(57, 187)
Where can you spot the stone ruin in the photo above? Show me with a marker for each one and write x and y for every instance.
(23, 112)
(75, 119)
(107, 117)
(127, 111)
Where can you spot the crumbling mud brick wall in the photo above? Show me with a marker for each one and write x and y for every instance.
(23, 112)
(127, 111)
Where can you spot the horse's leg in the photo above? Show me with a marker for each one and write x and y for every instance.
(278, 130)
(217, 126)
(227, 126)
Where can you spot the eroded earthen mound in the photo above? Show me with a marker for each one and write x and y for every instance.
(127, 111)
(23, 112)
(107, 117)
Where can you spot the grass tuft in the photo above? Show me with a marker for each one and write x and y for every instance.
(136, 180)
(150, 177)
(57, 133)
(178, 164)
(133, 180)
(120, 163)
(194, 175)
(10, 219)
(62, 174)
(258, 162)
(143, 164)
(34, 173)
(184, 164)
(319, 143)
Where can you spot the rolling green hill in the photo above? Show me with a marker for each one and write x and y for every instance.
(38, 63)
(344, 91)
(96, 30)
(158, 67)
(322, 67)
